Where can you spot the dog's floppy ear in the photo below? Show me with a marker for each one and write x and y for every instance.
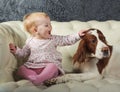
(80, 54)
(103, 62)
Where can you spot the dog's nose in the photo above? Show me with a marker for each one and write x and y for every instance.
(105, 51)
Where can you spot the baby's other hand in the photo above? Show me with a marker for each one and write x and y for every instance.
(82, 33)
(12, 48)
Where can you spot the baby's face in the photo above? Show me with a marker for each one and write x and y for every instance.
(44, 28)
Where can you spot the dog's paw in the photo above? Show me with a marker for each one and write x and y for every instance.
(50, 82)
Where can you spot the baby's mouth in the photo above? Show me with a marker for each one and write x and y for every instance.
(49, 33)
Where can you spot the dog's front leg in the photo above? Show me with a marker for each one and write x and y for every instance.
(57, 80)
(78, 77)
(62, 79)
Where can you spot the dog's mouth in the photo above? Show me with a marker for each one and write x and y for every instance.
(104, 54)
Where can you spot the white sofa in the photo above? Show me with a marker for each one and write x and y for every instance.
(13, 31)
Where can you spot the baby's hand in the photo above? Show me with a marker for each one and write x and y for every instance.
(12, 48)
(82, 33)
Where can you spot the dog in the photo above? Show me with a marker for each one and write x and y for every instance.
(89, 61)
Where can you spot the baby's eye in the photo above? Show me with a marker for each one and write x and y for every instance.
(46, 25)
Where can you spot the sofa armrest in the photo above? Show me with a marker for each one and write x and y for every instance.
(10, 32)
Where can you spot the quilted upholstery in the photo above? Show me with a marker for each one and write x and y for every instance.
(13, 31)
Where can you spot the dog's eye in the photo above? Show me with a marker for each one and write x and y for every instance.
(93, 41)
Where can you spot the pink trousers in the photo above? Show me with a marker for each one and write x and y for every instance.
(39, 75)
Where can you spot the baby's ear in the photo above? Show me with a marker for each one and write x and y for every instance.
(35, 28)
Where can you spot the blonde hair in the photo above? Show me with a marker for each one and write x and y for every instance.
(30, 20)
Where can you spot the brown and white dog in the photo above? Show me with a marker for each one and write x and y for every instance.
(90, 59)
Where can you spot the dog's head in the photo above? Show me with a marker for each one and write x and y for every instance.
(93, 44)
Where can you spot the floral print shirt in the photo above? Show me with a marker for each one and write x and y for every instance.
(42, 52)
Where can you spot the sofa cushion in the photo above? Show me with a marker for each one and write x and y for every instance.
(13, 32)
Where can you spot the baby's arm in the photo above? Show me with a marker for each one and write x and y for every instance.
(25, 51)
(69, 39)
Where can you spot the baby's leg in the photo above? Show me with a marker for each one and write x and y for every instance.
(48, 72)
(27, 73)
